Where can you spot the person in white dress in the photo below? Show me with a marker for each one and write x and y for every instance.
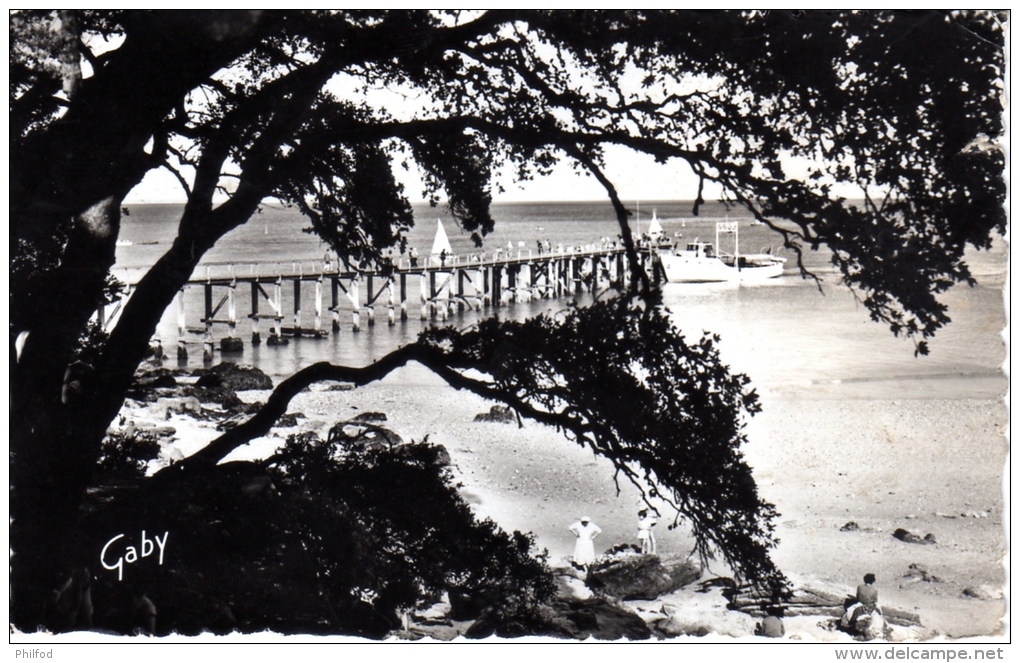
(584, 549)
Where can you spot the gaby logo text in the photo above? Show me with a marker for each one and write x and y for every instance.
(111, 560)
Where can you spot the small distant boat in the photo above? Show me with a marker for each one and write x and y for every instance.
(654, 227)
(124, 242)
(698, 262)
(441, 249)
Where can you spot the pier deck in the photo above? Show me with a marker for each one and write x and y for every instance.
(440, 288)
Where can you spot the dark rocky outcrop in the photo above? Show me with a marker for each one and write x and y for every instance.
(442, 455)
(499, 414)
(646, 577)
(217, 385)
(360, 434)
(910, 537)
(221, 383)
(465, 605)
(983, 593)
(371, 417)
(150, 378)
(159, 378)
(918, 573)
(209, 381)
(597, 618)
(236, 376)
(289, 420)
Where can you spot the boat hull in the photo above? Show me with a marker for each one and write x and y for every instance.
(702, 269)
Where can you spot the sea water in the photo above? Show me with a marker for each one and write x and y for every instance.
(790, 333)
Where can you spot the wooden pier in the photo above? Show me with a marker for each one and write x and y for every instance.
(434, 289)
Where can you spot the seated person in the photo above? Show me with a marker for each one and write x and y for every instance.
(867, 593)
(866, 603)
(772, 625)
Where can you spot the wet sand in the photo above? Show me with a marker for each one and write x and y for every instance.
(825, 456)
(926, 465)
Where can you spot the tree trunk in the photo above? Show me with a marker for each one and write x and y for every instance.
(61, 411)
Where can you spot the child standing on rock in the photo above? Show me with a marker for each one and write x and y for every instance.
(644, 533)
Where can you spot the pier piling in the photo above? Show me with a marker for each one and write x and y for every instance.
(255, 291)
(334, 307)
(297, 306)
(354, 296)
(403, 297)
(318, 306)
(448, 289)
(370, 302)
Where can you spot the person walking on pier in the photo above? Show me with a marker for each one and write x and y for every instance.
(414, 257)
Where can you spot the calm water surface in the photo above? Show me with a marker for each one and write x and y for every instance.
(784, 334)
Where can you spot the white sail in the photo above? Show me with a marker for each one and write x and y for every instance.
(441, 242)
(654, 228)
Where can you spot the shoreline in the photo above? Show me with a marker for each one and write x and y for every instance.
(928, 465)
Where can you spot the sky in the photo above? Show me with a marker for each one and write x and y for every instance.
(636, 177)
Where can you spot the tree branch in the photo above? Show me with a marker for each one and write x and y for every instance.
(180, 178)
(440, 363)
(261, 423)
(621, 216)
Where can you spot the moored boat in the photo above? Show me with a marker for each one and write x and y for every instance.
(699, 262)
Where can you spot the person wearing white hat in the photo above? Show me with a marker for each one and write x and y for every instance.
(584, 550)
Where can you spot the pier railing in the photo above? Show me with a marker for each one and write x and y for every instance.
(446, 285)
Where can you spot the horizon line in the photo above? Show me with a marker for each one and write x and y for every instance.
(495, 202)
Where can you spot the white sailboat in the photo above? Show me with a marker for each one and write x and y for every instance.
(442, 252)
(655, 228)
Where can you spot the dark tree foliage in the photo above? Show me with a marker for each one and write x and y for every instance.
(314, 540)
(392, 549)
(666, 411)
(126, 456)
(782, 110)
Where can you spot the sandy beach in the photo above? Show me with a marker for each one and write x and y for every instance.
(897, 455)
